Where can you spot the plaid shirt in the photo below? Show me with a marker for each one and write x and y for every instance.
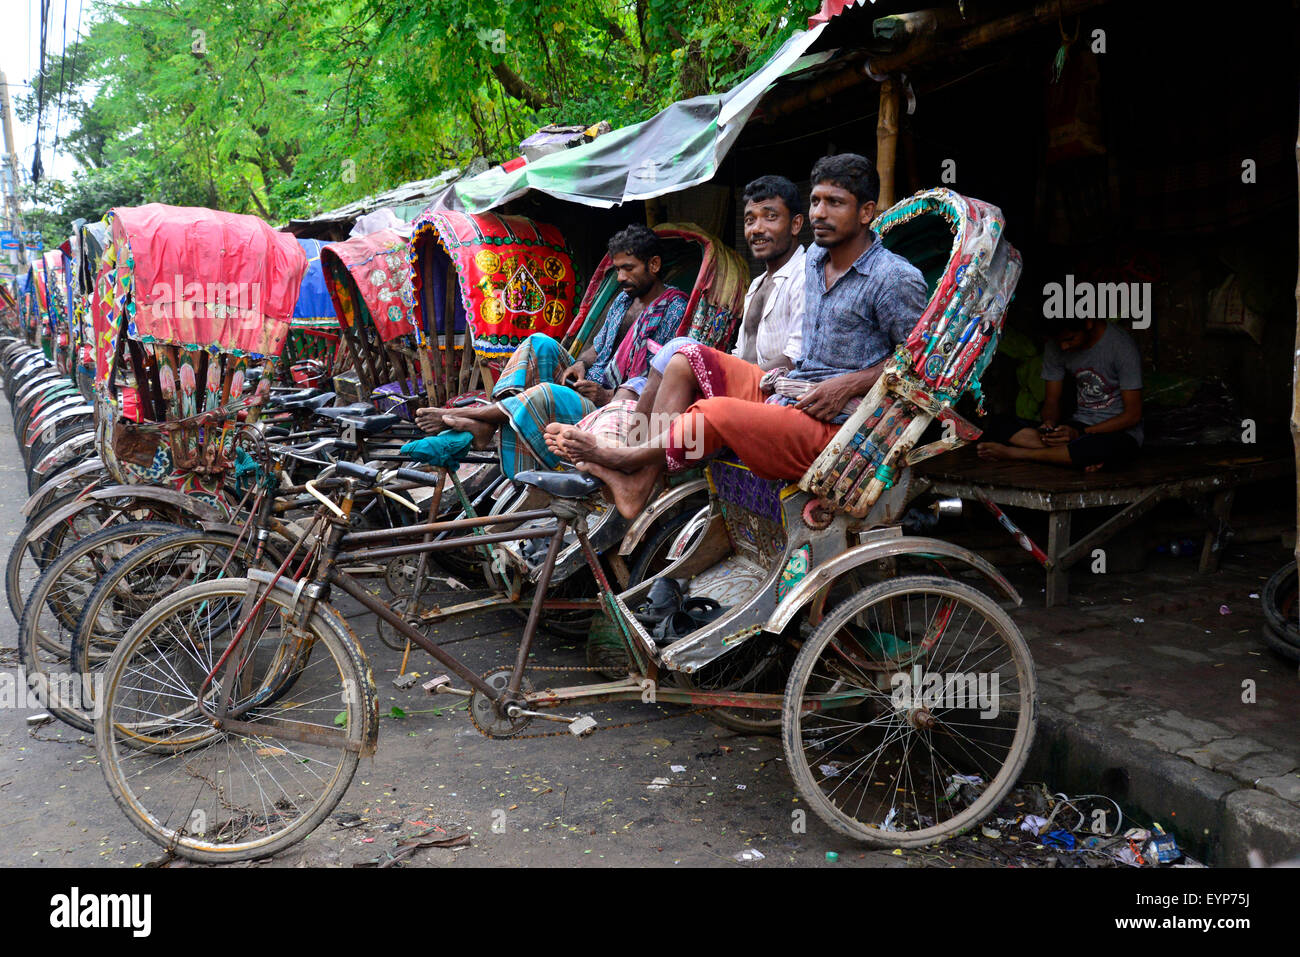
(858, 321)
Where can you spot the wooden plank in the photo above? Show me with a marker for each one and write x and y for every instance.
(1212, 548)
(1103, 532)
(1058, 541)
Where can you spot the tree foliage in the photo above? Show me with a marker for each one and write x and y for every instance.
(285, 107)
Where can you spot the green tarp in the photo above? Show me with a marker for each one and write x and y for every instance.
(679, 147)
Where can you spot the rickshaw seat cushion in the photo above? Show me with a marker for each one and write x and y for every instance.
(561, 484)
(308, 403)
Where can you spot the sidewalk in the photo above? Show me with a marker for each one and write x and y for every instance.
(1151, 695)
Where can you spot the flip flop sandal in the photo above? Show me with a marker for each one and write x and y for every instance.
(663, 598)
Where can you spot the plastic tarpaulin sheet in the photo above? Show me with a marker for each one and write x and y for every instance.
(205, 279)
(679, 147)
(314, 307)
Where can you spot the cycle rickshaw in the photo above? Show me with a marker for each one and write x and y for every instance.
(184, 300)
(906, 703)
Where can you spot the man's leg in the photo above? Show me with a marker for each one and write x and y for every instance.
(775, 441)
(537, 359)
(482, 422)
(695, 372)
(655, 374)
(526, 417)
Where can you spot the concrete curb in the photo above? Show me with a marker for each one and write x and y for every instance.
(1214, 818)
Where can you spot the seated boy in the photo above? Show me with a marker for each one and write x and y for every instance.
(1106, 429)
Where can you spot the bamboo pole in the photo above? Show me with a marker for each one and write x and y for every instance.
(887, 140)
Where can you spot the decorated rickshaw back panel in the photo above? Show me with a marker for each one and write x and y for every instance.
(515, 277)
(713, 276)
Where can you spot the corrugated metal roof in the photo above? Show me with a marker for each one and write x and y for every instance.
(407, 201)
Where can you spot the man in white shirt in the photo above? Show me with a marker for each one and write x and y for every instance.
(771, 332)
(771, 329)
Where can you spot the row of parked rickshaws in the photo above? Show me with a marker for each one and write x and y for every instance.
(212, 416)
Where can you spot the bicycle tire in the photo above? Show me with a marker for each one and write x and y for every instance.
(140, 785)
(53, 610)
(858, 651)
(145, 575)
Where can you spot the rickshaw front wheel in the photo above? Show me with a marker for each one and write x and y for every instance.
(909, 712)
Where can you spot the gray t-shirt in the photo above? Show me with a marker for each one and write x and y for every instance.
(1100, 372)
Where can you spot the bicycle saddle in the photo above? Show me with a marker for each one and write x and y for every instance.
(561, 484)
(354, 409)
(309, 400)
(371, 424)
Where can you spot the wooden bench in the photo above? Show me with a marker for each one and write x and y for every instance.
(1206, 477)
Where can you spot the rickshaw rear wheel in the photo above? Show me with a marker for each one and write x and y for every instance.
(896, 766)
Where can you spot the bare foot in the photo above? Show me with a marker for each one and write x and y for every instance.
(483, 432)
(430, 419)
(996, 450)
(580, 446)
(551, 436)
(630, 490)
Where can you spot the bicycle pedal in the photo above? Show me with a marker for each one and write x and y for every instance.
(434, 685)
(583, 725)
(402, 682)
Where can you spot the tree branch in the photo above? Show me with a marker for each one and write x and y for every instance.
(517, 87)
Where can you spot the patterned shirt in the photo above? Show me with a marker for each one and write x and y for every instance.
(658, 321)
(859, 320)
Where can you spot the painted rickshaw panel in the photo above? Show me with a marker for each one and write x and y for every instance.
(484, 282)
(185, 297)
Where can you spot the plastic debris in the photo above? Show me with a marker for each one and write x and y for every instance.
(677, 768)
(991, 833)
(1059, 838)
(888, 823)
(1162, 848)
(1033, 823)
(1139, 620)
(658, 784)
(1126, 855)
(832, 856)
(830, 770)
(1225, 610)
(748, 854)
